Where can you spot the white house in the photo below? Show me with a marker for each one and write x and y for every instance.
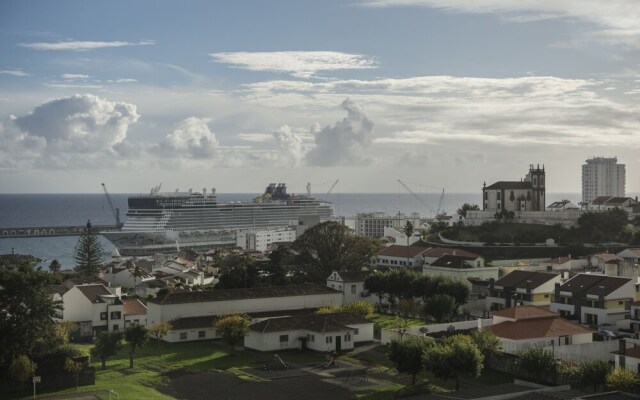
(325, 333)
(460, 268)
(594, 299)
(351, 284)
(631, 255)
(93, 308)
(522, 327)
(605, 262)
(400, 256)
(434, 253)
(119, 275)
(187, 304)
(260, 239)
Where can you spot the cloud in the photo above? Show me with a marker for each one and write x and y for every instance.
(123, 80)
(618, 19)
(73, 45)
(291, 143)
(14, 72)
(344, 142)
(302, 64)
(67, 132)
(191, 138)
(256, 137)
(74, 76)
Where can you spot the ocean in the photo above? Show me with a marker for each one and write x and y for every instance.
(40, 210)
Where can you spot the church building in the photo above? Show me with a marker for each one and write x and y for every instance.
(528, 194)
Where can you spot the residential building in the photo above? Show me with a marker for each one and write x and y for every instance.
(605, 263)
(561, 264)
(92, 307)
(563, 205)
(176, 306)
(373, 224)
(396, 256)
(117, 274)
(260, 239)
(522, 287)
(325, 333)
(594, 299)
(434, 253)
(602, 177)
(524, 195)
(461, 268)
(604, 203)
(631, 255)
(350, 283)
(522, 327)
(135, 312)
(634, 322)
(628, 358)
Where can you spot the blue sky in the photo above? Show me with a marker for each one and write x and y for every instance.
(445, 93)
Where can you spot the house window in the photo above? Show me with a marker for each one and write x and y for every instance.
(356, 332)
(591, 319)
(115, 315)
(353, 290)
(201, 334)
(116, 328)
(329, 339)
(183, 335)
(103, 316)
(498, 198)
(284, 338)
(347, 337)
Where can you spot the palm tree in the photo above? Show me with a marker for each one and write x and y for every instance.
(407, 229)
(137, 336)
(136, 272)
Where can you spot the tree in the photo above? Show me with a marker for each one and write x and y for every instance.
(621, 379)
(593, 373)
(106, 345)
(158, 330)
(22, 369)
(538, 362)
(440, 307)
(456, 289)
(407, 229)
(457, 355)
(358, 308)
(406, 354)
(399, 284)
(233, 327)
(137, 336)
(280, 260)
(237, 271)
(26, 312)
(408, 307)
(331, 246)
(74, 368)
(462, 211)
(88, 253)
(486, 341)
(135, 271)
(55, 266)
(63, 330)
(377, 283)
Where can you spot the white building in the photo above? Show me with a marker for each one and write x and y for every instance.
(522, 287)
(135, 312)
(602, 177)
(461, 268)
(527, 194)
(373, 224)
(325, 333)
(180, 305)
(261, 239)
(351, 284)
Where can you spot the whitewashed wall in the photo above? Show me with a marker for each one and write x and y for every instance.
(192, 334)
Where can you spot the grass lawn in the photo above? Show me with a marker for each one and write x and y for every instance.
(151, 369)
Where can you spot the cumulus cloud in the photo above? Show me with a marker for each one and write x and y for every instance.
(291, 143)
(191, 138)
(66, 131)
(74, 45)
(14, 72)
(618, 20)
(344, 142)
(302, 64)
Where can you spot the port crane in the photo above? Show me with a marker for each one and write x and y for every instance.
(328, 191)
(115, 211)
(439, 211)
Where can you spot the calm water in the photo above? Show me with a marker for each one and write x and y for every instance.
(30, 210)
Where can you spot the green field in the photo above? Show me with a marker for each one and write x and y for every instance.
(391, 321)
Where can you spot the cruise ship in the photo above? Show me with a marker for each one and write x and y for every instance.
(164, 222)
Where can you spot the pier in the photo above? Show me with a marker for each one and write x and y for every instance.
(50, 231)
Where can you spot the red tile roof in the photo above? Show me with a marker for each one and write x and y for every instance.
(402, 251)
(134, 307)
(537, 328)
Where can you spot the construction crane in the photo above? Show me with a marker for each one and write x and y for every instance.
(115, 211)
(333, 186)
(415, 195)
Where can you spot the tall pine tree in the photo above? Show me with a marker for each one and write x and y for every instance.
(88, 252)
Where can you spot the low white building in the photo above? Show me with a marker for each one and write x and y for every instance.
(351, 284)
(324, 333)
(460, 268)
(523, 327)
(209, 303)
(120, 275)
(135, 312)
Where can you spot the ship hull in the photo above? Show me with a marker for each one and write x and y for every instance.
(149, 243)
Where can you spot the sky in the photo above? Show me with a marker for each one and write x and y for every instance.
(236, 94)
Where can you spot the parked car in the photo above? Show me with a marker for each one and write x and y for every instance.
(607, 334)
